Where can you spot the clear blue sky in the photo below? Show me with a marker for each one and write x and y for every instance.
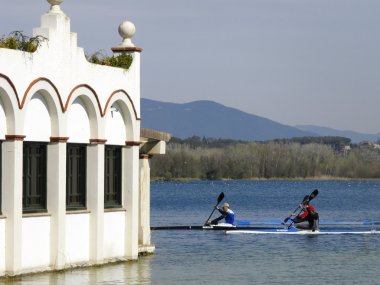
(293, 61)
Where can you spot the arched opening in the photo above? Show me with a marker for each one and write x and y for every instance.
(83, 103)
(115, 125)
(79, 131)
(37, 122)
(78, 124)
(37, 131)
(119, 127)
(121, 102)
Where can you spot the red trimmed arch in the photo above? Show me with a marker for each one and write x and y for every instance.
(34, 82)
(13, 87)
(89, 88)
(129, 98)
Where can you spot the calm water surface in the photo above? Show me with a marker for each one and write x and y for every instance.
(200, 257)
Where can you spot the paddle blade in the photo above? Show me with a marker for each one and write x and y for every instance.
(313, 194)
(305, 200)
(220, 198)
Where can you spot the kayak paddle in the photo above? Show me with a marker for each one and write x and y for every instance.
(220, 198)
(308, 199)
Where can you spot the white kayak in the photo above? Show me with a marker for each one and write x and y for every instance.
(294, 231)
(220, 226)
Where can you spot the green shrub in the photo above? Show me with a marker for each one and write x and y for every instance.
(18, 41)
(123, 60)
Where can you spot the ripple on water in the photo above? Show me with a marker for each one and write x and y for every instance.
(203, 257)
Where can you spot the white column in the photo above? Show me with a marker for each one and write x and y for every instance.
(131, 199)
(56, 201)
(12, 203)
(95, 200)
(144, 222)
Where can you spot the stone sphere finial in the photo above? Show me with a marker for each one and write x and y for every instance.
(127, 30)
(55, 2)
(55, 5)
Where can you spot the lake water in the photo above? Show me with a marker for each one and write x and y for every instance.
(202, 257)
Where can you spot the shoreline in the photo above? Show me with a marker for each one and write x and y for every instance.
(319, 178)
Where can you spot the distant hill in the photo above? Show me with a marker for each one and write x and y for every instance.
(354, 136)
(210, 119)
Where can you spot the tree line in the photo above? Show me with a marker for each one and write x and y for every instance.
(205, 158)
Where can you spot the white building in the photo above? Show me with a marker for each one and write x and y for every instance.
(74, 169)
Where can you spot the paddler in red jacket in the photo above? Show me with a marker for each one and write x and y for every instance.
(308, 219)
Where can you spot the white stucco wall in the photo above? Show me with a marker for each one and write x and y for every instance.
(35, 238)
(114, 234)
(37, 124)
(115, 126)
(77, 238)
(2, 246)
(78, 126)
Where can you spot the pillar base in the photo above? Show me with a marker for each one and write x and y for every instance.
(146, 249)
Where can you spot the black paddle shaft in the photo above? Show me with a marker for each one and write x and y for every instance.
(220, 198)
(308, 199)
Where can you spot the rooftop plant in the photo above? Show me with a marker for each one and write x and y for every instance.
(19, 41)
(123, 60)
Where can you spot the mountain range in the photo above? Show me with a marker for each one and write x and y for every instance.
(210, 119)
(354, 136)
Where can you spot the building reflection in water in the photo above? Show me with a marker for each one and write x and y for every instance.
(136, 272)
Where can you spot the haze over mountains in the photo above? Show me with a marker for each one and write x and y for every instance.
(354, 136)
(211, 119)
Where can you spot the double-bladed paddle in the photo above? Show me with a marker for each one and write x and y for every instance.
(305, 200)
(220, 198)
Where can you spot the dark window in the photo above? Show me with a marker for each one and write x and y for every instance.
(34, 177)
(76, 176)
(112, 177)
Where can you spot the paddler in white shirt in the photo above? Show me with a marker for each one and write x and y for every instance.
(227, 214)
